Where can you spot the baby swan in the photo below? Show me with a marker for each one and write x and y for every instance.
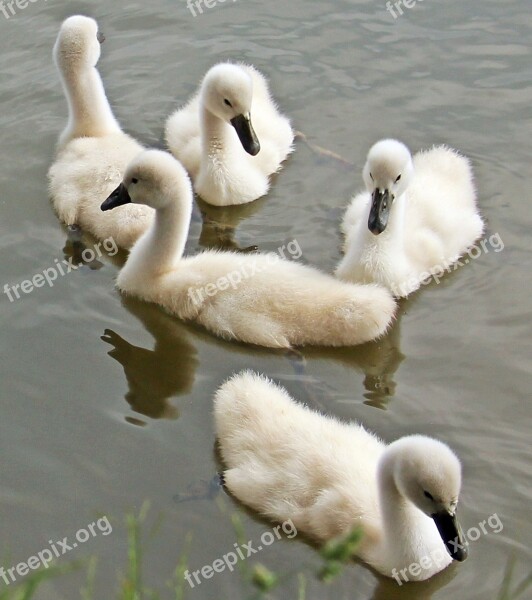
(254, 298)
(93, 151)
(415, 219)
(288, 462)
(230, 136)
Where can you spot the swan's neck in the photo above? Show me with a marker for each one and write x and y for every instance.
(216, 136)
(162, 246)
(398, 514)
(90, 114)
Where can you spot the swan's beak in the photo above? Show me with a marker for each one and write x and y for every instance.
(380, 211)
(451, 534)
(101, 37)
(246, 133)
(117, 198)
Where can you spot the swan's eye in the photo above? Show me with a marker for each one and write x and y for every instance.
(371, 177)
(226, 101)
(429, 496)
(398, 178)
(134, 180)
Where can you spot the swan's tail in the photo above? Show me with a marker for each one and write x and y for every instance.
(354, 314)
(245, 402)
(254, 421)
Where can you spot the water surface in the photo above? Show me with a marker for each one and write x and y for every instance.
(107, 403)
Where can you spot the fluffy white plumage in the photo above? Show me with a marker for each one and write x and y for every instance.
(201, 136)
(288, 462)
(430, 212)
(276, 303)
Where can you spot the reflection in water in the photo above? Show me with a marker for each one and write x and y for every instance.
(75, 246)
(220, 223)
(203, 490)
(378, 360)
(78, 241)
(154, 376)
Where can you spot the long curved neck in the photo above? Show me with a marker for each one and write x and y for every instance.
(215, 135)
(400, 518)
(90, 114)
(160, 249)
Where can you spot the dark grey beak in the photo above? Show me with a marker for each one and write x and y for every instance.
(246, 134)
(117, 198)
(380, 211)
(101, 37)
(451, 534)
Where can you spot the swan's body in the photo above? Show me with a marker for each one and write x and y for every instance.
(93, 151)
(275, 303)
(288, 462)
(429, 217)
(203, 136)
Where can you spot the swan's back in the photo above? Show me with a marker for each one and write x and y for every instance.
(442, 217)
(274, 303)
(287, 461)
(273, 129)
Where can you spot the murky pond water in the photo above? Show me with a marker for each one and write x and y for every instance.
(107, 403)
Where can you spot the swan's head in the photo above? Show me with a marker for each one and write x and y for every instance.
(227, 92)
(387, 173)
(79, 41)
(154, 178)
(429, 474)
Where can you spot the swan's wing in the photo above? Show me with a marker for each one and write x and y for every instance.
(268, 121)
(443, 217)
(287, 461)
